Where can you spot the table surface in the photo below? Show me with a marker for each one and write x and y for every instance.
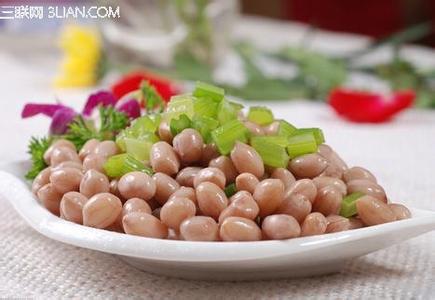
(400, 153)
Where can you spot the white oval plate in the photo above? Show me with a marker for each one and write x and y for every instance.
(214, 261)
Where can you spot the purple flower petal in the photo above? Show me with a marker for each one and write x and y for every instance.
(61, 119)
(33, 109)
(130, 107)
(103, 98)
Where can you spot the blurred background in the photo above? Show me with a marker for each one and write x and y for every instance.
(366, 60)
(256, 50)
(375, 18)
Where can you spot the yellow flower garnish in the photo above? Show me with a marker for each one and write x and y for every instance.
(82, 53)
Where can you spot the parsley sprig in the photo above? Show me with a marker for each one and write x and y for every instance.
(36, 149)
(154, 101)
(111, 122)
(79, 132)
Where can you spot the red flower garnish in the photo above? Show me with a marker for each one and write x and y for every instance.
(132, 81)
(367, 107)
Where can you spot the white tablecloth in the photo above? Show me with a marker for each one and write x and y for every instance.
(400, 153)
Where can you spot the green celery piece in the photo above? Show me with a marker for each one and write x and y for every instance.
(206, 90)
(227, 134)
(204, 125)
(120, 140)
(142, 128)
(317, 132)
(281, 141)
(230, 190)
(121, 164)
(148, 137)
(180, 104)
(228, 111)
(301, 144)
(348, 205)
(260, 115)
(285, 128)
(272, 150)
(148, 123)
(122, 135)
(179, 124)
(236, 105)
(139, 149)
(205, 107)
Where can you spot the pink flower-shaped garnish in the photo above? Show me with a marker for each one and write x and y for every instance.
(130, 107)
(103, 98)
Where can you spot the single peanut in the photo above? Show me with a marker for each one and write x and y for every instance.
(269, 195)
(101, 210)
(71, 207)
(373, 211)
(239, 229)
(246, 182)
(315, 223)
(199, 228)
(165, 187)
(246, 159)
(308, 165)
(280, 227)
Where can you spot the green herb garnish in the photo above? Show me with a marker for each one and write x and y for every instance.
(153, 100)
(111, 122)
(36, 149)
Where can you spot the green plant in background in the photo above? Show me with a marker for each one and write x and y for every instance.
(194, 56)
(198, 43)
(317, 74)
(400, 73)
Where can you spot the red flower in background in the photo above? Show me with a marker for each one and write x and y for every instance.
(367, 107)
(131, 82)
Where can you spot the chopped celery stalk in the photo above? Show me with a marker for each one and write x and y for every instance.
(281, 141)
(285, 128)
(204, 126)
(205, 107)
(122, 135)
(148, 137)
(317, 132)
(142, 128)
(228, 111)
(301, 144)
(271, 150)
(121, 164)
(181, 104)
(120, 140)
(178, 124)
(205, 90)
(145, 124)
(230, 190)
(226, 135)
(139, 149)
(236, 106)
(348, 205)
(260, 115)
